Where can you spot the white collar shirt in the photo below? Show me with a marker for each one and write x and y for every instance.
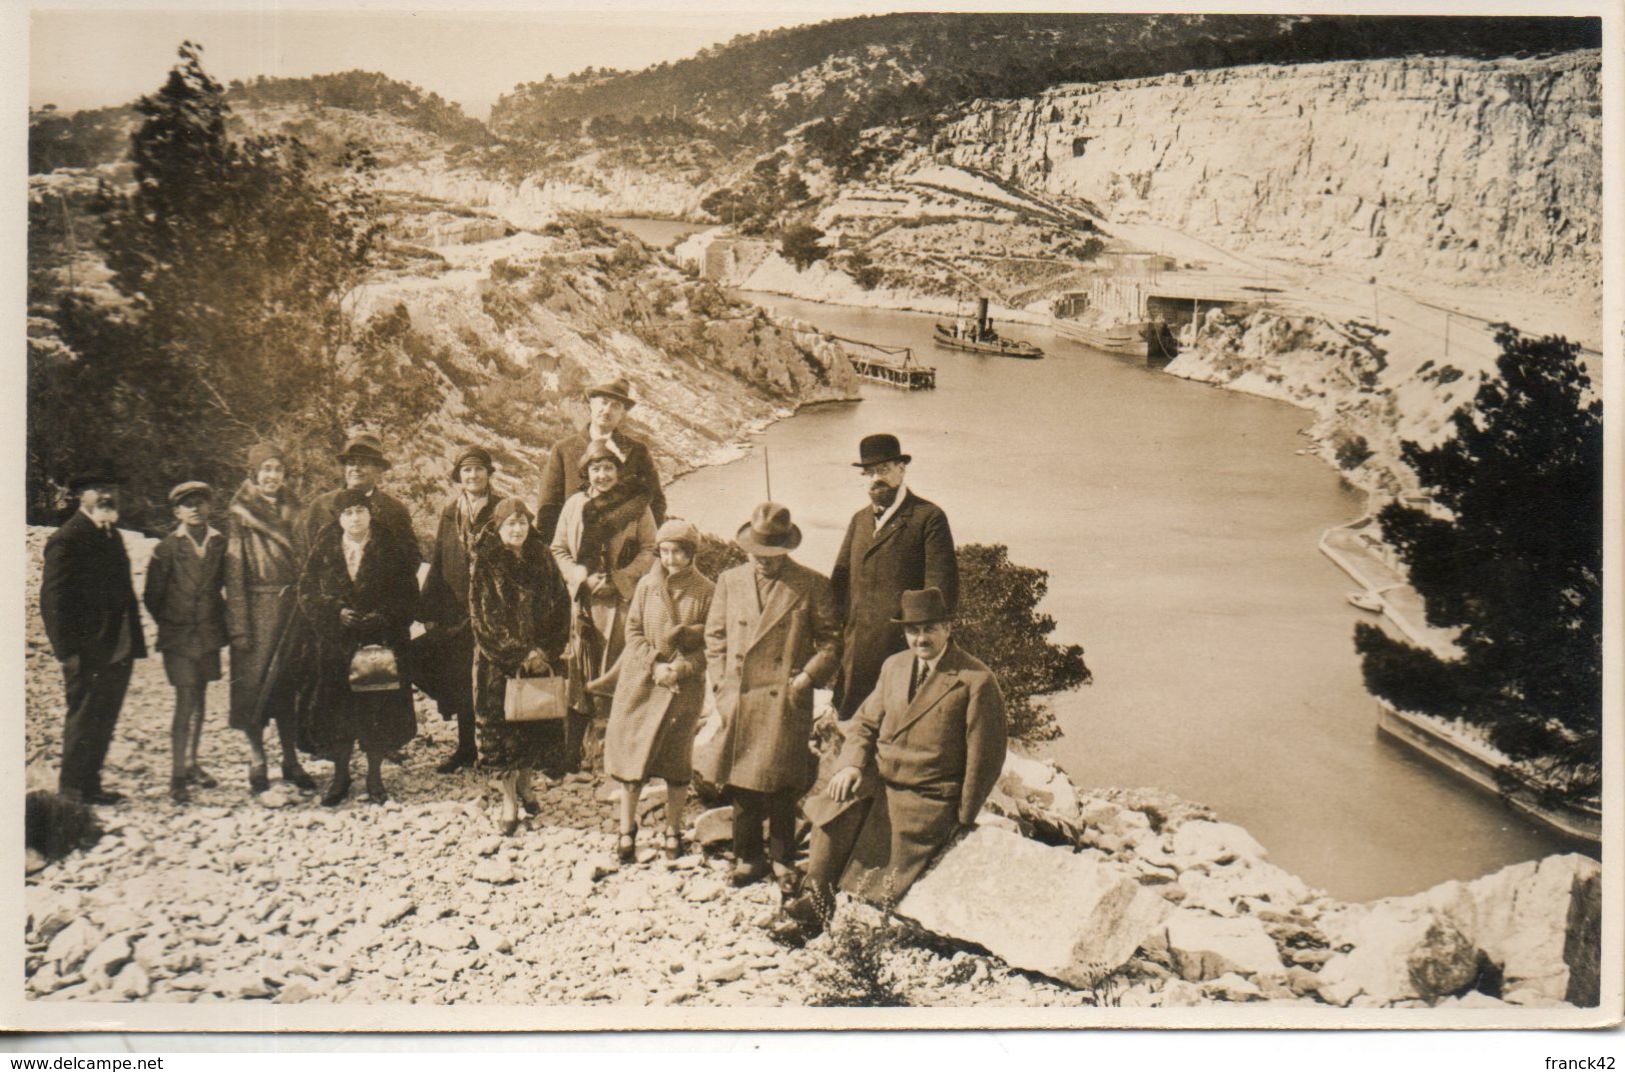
(352, 555)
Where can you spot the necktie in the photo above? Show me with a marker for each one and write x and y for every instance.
(916, 680)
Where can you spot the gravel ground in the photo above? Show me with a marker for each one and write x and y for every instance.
(276, 898)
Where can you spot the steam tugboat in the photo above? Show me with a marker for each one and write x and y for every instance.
(980, 338)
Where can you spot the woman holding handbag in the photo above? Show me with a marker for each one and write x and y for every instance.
(358, 591)
(660, 685)
(520, 615)
(604, 544)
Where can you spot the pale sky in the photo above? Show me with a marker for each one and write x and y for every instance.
(83, 58)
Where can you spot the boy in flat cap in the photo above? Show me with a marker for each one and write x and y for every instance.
(185, 596)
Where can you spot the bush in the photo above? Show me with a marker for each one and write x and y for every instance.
(1352, 451)
(800, 247)
(999, 624)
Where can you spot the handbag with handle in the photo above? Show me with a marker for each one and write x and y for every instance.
(374, 668)
(536, 699)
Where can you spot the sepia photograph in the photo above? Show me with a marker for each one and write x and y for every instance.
(675, 516)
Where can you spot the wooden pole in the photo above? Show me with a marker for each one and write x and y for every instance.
(767, 473)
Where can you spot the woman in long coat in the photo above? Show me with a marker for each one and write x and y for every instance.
(604, 544)
(520, 616)
(262, 572)
(359, 587)
(660, 685)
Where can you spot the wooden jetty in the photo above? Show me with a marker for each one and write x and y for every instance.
(892, 365)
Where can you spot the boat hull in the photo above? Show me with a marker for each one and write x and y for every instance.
(1000, 348)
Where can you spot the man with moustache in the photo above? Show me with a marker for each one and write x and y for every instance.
(898, 543)
(920, 759)
(444, 655)
(608, 402)
(87, 598)
(364, 462)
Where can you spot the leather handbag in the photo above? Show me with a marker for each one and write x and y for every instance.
(374, 668)
(536, 699)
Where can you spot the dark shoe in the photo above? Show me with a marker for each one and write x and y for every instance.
(805, 911)
(177, 791)
(298, 777)
(104, 797)
(795, 933)
(788, 880)
(456, 762)
(626, 846)
(200, 777)
(337, 790)
(745, 874)
(532, 806)
(507, 827)
(259, 782)
(672, 846)
(376, 794)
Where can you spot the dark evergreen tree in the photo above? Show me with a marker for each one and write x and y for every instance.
(233, 259)
(1516, 566)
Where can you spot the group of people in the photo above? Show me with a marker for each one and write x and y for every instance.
(597, 591)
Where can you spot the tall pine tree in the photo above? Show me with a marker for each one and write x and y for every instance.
(1516, 566)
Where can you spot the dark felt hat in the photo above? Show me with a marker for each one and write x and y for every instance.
(879, 449)
(769, 531)
(365, 447)
(260, 453)
(99, 473)
(181, 492)
(921, 606)
(616, 388)
(598, 451)
(476, 455)
(349, 497)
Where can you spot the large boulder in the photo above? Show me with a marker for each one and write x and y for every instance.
(1204, 946)
(1402, 951)
(1040, 908)
(1204, 844)
(1540, 923)
(1039, 797)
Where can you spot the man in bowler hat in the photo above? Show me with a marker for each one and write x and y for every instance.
(87, 599)
(444, 654)
(897, 543)
(364, 461)
(921, 755)
(608, 403)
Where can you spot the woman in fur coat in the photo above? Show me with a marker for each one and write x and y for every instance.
(604, 544)
(359, 587)
(660, 685)
(262, 570)
(520, 616)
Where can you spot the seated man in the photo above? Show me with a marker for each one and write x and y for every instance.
(921, 755)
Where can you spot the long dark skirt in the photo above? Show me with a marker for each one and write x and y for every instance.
(376, 722)
(511, 746)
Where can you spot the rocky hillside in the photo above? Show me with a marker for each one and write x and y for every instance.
(1442, 168)
(1130, 898)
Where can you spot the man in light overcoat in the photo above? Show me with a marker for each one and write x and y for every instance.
(770, 638)
(897, 543)
(921, 755)
(87, 598)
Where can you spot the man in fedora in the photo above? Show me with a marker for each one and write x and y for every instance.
(444, 654)
(608, 403)
(364, 462)
(896, 543)
(769, 640)
(921, 755)
(87, 599)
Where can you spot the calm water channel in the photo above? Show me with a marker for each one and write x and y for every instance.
(1179, 531)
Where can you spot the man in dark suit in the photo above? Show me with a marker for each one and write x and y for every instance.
(364, 463)
(920, 758)
(899, 542)
(444, 654)
(608, 403)
(87, 599)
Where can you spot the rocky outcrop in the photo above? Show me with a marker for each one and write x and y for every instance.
(1451, 168)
